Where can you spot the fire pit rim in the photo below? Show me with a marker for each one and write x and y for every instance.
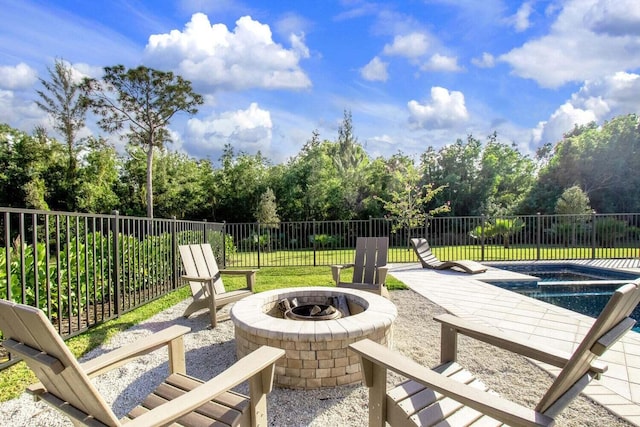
(249, 314)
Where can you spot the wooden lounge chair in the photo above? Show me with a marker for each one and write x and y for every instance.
(429, 260)
(204, 277)
(180, 399)
(369, 268)
(450, 395)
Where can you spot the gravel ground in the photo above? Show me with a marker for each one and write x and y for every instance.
(211, 351)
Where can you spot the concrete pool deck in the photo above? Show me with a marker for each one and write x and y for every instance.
(467, 296)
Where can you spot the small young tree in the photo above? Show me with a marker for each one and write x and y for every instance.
(407, 205)
(576, 205)
(266, 215)
(266, 211)
(573, 201)
(145, 100)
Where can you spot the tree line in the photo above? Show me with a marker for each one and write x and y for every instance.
(326, 180)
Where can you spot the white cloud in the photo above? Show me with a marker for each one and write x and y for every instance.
(21, 76)
(247, 130)
(597, 100)
(411, 45)
(486, 61)
(375, 70)
(561, 121)
(444, 110)
(520, 20)
(614, 17)
(244, 58)
(439, 62)
(574, 52)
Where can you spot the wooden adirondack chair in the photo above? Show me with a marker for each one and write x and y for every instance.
(369, 268)
(450, 395)
(204, 277)
(66, 385)
(429, 260)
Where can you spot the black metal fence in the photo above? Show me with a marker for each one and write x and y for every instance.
(84, 269)
(513, 238)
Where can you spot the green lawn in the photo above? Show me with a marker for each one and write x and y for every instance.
(15, 379)
(403, 255)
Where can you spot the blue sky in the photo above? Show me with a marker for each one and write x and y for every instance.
(413, 73)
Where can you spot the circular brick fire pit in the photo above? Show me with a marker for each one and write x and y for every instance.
(317, 352)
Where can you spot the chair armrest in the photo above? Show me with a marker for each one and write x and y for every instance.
(376, 359)
(170, 337)
(250, 275)
(336, 269)
(197, 278)
(258, 367)
(382, 274)
(452, 325)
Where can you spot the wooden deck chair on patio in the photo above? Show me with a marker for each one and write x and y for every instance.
(180, 399)
(450, 395)
(369, 268)
(204, 277)
(429, 260)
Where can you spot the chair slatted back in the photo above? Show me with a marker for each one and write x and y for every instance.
(199, 261)
(48, 357)
(424, 253)
(371, 252)
(612, 323)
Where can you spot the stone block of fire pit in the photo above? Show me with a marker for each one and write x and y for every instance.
(317, 353)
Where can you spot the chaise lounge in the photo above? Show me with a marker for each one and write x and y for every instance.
(429, 260)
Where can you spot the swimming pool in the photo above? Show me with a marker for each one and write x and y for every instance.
(583, 289)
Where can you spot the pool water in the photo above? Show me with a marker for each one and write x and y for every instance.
(588, 295)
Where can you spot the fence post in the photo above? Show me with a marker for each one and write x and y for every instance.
(371, 233)
(204, 231)
(174, 250)
(224, 244)
(314, 243)
(115, 228)
(593, 234)
(538, 235)
(482, 225)
(258, 244)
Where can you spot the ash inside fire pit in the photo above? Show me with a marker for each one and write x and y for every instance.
(313, 312)
(293, 310)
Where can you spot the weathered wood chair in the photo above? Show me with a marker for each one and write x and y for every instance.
(429, 260)
(369, 268)
(180, 399)
(204, 277)
(450, 395)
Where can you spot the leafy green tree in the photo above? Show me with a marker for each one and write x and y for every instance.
(602, 160)
(455, 166)
(505, 177)
(32, 169)
(238, 185)
(145, 100)
(62, 100)
(351, 163)
(98, 178)
(181, 186)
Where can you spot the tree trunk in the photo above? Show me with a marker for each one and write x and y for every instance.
(150, 180)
